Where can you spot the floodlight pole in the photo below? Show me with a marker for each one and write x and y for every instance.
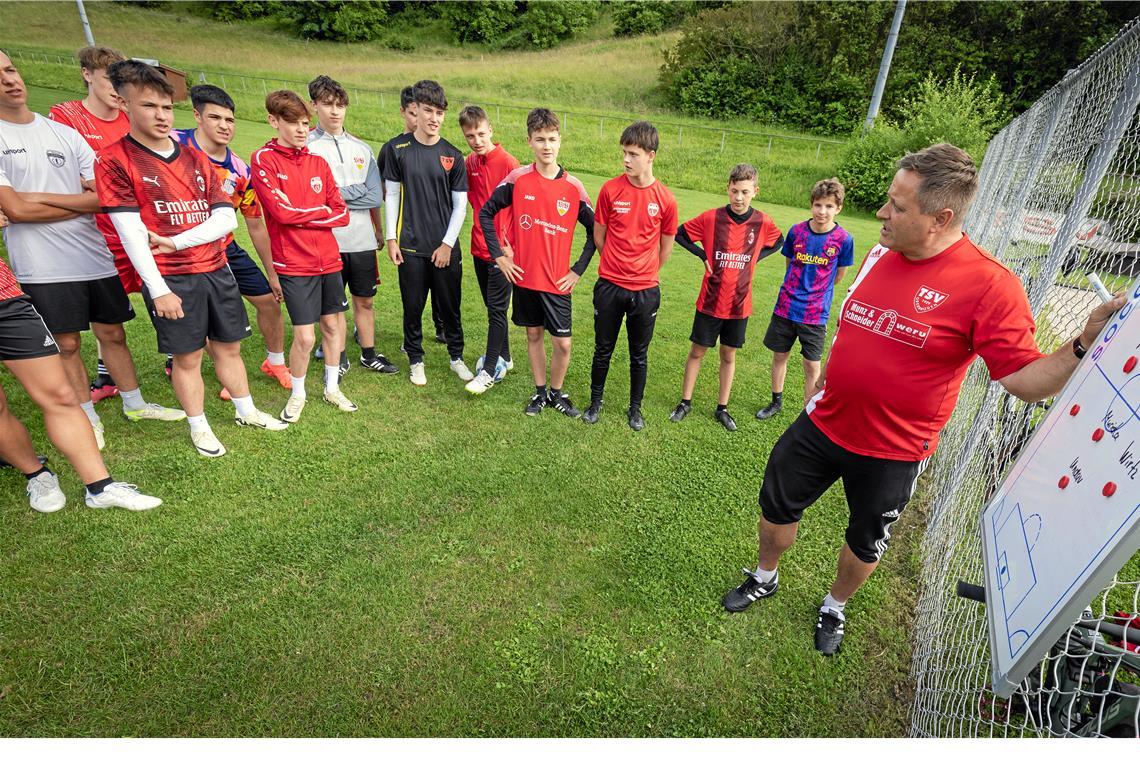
(884, 66)
(86, 24)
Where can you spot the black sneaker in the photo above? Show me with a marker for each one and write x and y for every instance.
(680, 412)
(748, 592)
(379, 363)
(770, 411)
(828, 633)
(636, 421)
(592, 413)
(537, 401)
(723, 417)
(563, 404)
(319, 351)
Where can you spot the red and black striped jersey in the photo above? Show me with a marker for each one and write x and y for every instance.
(732, 248)
(9, 288)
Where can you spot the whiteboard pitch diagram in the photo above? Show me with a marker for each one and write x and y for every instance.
(1067, 515)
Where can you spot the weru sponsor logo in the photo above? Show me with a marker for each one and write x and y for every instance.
(886, 322)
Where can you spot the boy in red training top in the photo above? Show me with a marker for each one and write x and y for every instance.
(302, 205)
(734, 238)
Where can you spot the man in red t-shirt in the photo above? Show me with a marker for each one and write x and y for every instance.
(730, 240)
(912, 324)
(172, 217)
(636, 220)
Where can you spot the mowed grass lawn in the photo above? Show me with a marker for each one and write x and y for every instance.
(441, 564)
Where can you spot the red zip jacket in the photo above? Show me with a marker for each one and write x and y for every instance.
(302, 205)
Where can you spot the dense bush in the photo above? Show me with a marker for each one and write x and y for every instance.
(632, 17)
(339, 20)
(510, 24)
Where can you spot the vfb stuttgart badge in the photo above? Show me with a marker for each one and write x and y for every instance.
(563, 207)
(654, 209)
(447, 162)
(928, 299)
(316, 184)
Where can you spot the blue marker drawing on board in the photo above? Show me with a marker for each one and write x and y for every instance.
(1014, 539)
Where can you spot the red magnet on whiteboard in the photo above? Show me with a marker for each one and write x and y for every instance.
(1109, 489)
(1076, 408)
(1098, 434)
(1063, 482)
(1130, 364)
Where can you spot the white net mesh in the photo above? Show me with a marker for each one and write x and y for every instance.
(1059, 197)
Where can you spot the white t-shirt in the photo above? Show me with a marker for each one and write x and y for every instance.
(47, 157)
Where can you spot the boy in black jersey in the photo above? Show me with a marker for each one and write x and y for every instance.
(426, 201)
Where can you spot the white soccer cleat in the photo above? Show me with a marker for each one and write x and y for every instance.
(207, 443)
(481, 383)
(260, 419)
(100, 440)
(293, 407)
(510, 364)
(340, 401)
(154, 412)
(417, 374)
(44, 493)
(125, 495)
(459, 368)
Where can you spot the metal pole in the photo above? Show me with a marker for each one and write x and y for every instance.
(884, 66)
(86, 24)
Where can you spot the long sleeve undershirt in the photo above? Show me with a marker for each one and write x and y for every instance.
(133, 235)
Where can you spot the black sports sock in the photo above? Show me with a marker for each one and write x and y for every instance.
(368, 354)
(101, 368)
(778, 398)
(344, 357)
(97, 487)
(540, 390)
(722, 407)
(687, 401)
(555, 392)
(37, 473)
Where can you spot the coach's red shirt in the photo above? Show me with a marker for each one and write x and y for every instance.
(732, 248)
(484, 173)
(635, 219)
(99, 133)
(9, 288)
(172, 195)
(907, 334)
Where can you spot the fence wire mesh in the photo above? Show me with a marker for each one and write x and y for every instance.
(1059, 197)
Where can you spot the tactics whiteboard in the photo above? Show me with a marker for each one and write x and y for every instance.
(1067, 515)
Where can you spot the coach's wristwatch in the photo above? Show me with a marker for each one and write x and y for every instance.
(1078, 349)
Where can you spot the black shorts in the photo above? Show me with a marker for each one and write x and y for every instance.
(360, 272)
(250, 279)
(537, 308)
(212, 308)
(308, 298)
(23, 334)
(804, 463)
(707, 329)
(782, 334)
(70, 307)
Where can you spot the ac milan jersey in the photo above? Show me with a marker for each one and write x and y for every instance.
(233, 174)
(635, 219)
(484, 173)
(9, 288)
(172, 195)
(732, 248)
(99, 133)
(908, 333)
(427, 174)
(813, 261)
(542, 213)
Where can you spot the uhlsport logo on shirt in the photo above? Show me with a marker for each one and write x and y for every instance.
(928, 299)
(654, 209)
(563, 207)
(316, 184)
(56, 158)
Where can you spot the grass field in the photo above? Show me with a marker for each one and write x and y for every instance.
(440, 564)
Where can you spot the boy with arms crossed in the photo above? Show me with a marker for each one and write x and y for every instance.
(544, 201)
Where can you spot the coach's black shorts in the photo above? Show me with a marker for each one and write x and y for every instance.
(69, 307)
(537, 308)
(250, 279)
(23, 334)
(804, 463)
(782, 334)
(308, 298)
(212, 308)
(360, 272)
(706, 331)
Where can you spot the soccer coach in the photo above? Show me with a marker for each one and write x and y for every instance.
(926, 301)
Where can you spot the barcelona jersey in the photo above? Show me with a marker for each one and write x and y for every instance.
(813, 258)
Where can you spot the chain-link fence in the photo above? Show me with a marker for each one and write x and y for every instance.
(1059, 197)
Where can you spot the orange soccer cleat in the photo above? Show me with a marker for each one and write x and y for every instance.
(279, 372)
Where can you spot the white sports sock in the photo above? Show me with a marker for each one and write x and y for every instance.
(831, 603)
(244, 405)
(765, 576)
(275, 357)
(132, 399)
(89, 410)
(198, 423)
(332, 378)
(298, 386)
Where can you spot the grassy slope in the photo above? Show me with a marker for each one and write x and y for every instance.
(439, 564)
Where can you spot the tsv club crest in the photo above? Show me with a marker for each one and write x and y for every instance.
(447, 162)
(563, 207)
(928, 299)
(654, 209)
(316, 184)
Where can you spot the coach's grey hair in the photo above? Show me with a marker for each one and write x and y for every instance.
(949, 178)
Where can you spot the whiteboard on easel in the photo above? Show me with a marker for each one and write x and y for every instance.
(1067, 515)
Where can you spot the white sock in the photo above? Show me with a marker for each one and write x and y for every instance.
(89, 410)
(132, 399)
(275, 357)
(243, 405)
(765, 576)
(298, 386)
(332, 378)
(198, 423)
(831, 603)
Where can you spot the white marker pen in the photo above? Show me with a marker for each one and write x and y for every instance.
(1098, 287)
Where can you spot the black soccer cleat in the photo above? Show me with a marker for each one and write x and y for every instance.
(636, 421)
(828, 633)
(537, 401)
(738, 599)
(770, 411)
(723, 417)
(343, 364)
(562, 403)
(680, 412)
(592, 413)
(379, 363)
